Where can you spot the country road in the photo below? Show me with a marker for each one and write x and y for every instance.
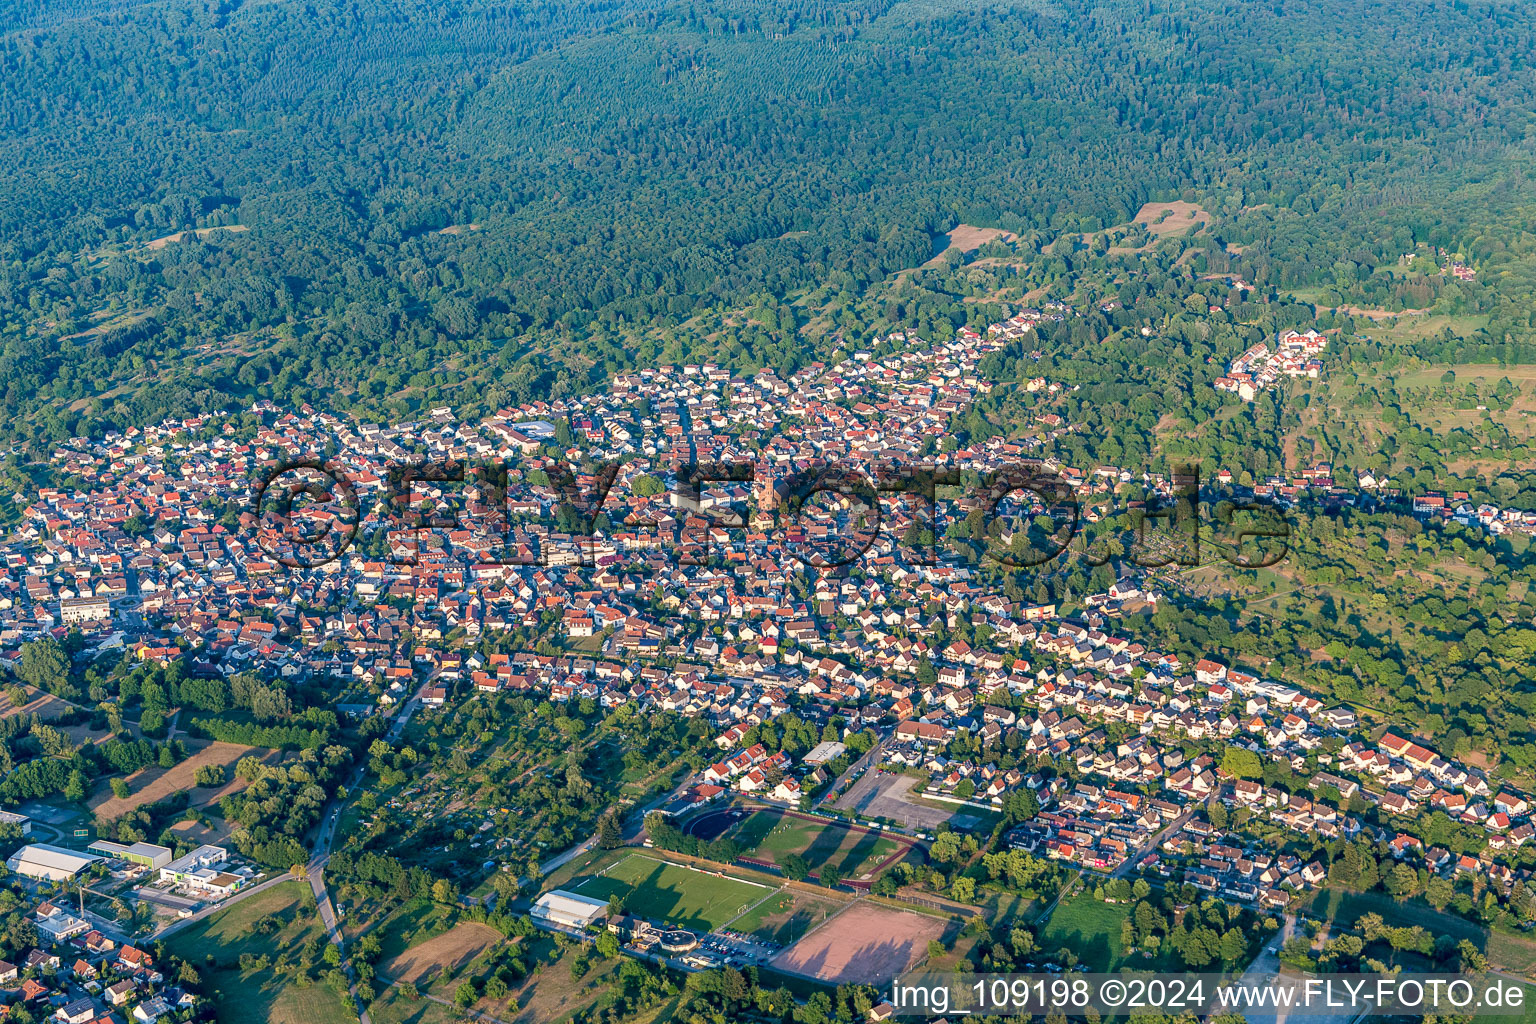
(325, 837)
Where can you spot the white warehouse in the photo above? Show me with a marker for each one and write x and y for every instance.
(569, 909)
(53, 863)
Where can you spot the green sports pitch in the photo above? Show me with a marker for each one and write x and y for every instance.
(667, 893)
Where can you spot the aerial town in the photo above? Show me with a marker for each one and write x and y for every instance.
(680, 603)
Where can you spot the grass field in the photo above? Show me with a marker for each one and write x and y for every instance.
(1088, 928)
(151, 785)
(409, 925)
(773, 836)
(1348, 907)
(550, 993)
(967, 238)
(392, 1007)
(1171, 218)
(1512, 951)
(447, 952)
(1508, 950)
(1526, 1015)
(1465, 372)
(786, 916)
(214, 946)
(663, 892)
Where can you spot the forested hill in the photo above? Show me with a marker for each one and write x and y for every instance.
(603, 170)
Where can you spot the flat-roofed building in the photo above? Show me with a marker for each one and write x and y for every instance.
(59, 925)
(147, 854)
(824, 752)
(201, 869)
(84, 609)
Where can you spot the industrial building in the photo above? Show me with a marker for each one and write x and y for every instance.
(569, 909)
(146, 854)
(53, 863)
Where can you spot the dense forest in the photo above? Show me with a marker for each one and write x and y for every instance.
(400, 204)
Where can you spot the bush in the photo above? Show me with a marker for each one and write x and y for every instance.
(210, 775)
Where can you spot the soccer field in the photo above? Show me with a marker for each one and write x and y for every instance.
(774, 836)
(672, 894)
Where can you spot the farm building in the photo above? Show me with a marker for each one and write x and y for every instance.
(569, 909)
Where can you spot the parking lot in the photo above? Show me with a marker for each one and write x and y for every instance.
(884, 795)
(739, 947)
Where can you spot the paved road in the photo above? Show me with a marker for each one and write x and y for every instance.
(325, 837)
(1266, 966)
(1125, 866)
(1152, 844)
(180, 923)
(323, 840)
(631, 827)
(316, 875)
(398, 725)
(870, 758)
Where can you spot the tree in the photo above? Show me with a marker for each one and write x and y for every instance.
(608, 945)
(1217, 812)
(608, 835)
(1242, 763)
(209, 775)
(45, 665)
(465, 995)
(1438, 892)
(1402, 881)
(120, 788)
(795, 868)
(1472, 959)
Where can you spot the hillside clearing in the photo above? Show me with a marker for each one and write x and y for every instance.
(445, 953)
(151, 785)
